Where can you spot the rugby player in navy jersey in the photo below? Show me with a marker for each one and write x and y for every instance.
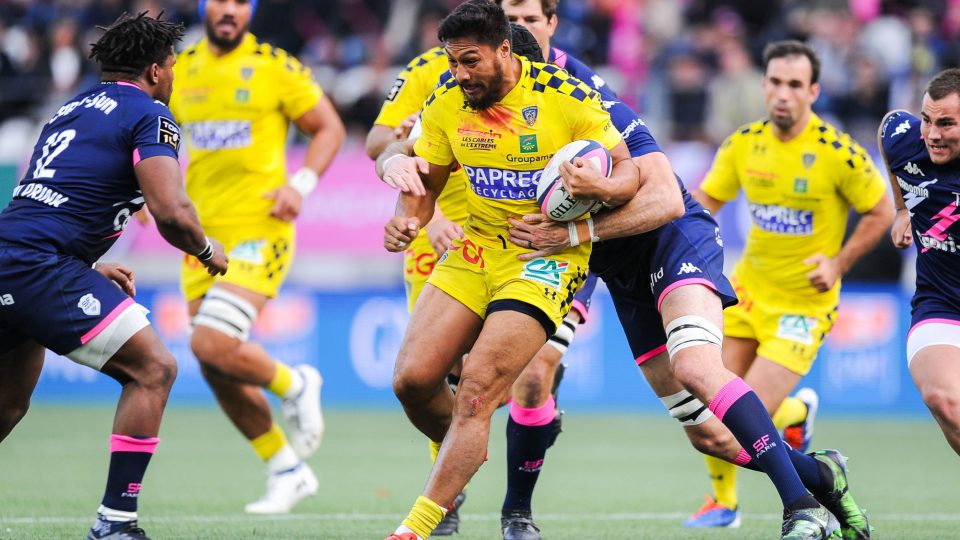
(102, 155)
(923, 157)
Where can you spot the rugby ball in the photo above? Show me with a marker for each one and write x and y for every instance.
(552, 197)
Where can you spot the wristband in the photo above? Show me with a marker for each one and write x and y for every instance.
(303, 181)
(575, 228)
(206, 254)
(395, 156)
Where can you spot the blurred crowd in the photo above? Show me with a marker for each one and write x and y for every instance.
(691, 67)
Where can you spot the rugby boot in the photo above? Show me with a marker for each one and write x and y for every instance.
(451, 522)
(713, 514)
(104, 529)
(403, 536)
(519, 525)
(284, 490)
(798, 435)
(303, 415)
(808, 524)
(854, 524)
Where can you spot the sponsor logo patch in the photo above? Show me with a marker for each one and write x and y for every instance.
(800, 185)
(395, 89)
(797, 328)
(168, 132)
(528, 144)
(494, 183)
(530, 114)
(89, 305)
(220, 134)
(546, 271)
(782, 219)
(250, 251)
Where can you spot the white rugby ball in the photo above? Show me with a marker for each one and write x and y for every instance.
(552, 197)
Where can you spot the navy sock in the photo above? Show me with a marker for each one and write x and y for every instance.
(808, 469)
(739, 408)
(526, 449)
(129, 458)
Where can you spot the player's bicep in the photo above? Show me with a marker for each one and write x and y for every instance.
(722, 181)
(322, 116)
(161, 182)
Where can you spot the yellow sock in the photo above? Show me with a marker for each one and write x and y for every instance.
(434, 450)
(282, 380)
(424, 516)
(723, 476)
(271, 442)
(791, 411)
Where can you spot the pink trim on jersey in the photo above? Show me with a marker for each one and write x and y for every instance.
(105, 322)
(581, 309)
(742, 458)
(727, 396)
(928, 321)
(540, 416)
(559, 57)
(125, 83)
(650, 354)
(692, 281)
(114, 235)
(126, 443)
(136, 156)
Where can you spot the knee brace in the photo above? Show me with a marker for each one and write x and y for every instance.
(227, 313)
(689, 410)
(689, 331)
(563, 337)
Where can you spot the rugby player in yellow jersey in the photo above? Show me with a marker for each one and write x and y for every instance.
(800, 176)
(480, 297)
(235, 98)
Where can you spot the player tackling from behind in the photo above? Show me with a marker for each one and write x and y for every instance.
(479, 297)
(923, 155)
(235, 98)
(103, 154)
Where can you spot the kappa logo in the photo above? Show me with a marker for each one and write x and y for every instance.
(6, 300)
(902, 128)
(597, 81)
(688, 268)
(546, 271)
(913, 169)
(89, 305)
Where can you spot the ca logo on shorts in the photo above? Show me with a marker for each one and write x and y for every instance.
(546, 271)
(797, 328)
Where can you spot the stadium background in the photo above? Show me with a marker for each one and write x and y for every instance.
(690, 68)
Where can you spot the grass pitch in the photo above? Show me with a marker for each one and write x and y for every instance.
(608, 477)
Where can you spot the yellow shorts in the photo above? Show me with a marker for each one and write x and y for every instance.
(260, 258)
(418, 263)
(790, 332)
(478, 275)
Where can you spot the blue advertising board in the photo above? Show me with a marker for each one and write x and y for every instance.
(353, 338)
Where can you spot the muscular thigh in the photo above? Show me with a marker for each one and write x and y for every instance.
(260, 258)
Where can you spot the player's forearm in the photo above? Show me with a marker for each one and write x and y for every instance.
(324, 146)
(420, 206)
(395, 148)
(379, 137)
(873, 226)
(656, 203)
(623, 183)
(179, 225)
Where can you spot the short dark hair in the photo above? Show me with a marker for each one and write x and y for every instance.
(481, 20)
(944, 83)
(131, 44)
(549, 7)
(792, 47)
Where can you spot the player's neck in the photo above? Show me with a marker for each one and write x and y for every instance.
(511, 77)
(796, 129)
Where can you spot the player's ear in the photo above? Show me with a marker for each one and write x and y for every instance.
(815, 91)
(505, 48)
(153, 73)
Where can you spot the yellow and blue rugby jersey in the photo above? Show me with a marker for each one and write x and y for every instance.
(413, 86)
(504, 149)
(235, 111)
(799, 194)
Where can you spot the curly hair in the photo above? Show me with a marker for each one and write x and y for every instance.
(131, 44)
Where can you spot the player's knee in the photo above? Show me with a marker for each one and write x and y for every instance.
(11, 414)
(531, 387)
(221, 324)
(412, 386)
(476, 399)
(713, 442)
(944, 405)
(164, 371)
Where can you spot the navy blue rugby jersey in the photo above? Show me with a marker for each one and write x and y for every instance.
(79, 190)
(931, 193)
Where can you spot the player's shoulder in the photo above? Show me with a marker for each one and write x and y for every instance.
(436, 54)
(899, 134)
(834, 143)
(576, 67)
(443, 93)
(553, 80)
(747, 133)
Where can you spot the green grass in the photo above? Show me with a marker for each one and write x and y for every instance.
(608, 477)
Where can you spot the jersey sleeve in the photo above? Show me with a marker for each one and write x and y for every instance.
(861, 185)
(411, 88)
(900, 137)
(433, 144)
(295, 86)
(631, 127)
(155, 133)
(722, 181)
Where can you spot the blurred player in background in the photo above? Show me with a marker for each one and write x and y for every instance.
(102, 155)
(235, 98)
(478, 296)
(535, 419)
(923, 155)
(800, 176)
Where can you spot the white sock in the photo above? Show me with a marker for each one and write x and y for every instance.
(283, 460)
(404, 529)
(110, 514)
(296, 384)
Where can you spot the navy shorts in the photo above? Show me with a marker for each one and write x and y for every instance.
(581, 300)
(640, 270)
(54, 299)
(930, 304)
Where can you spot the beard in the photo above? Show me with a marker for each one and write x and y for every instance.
(227, 44)
(494, 90)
